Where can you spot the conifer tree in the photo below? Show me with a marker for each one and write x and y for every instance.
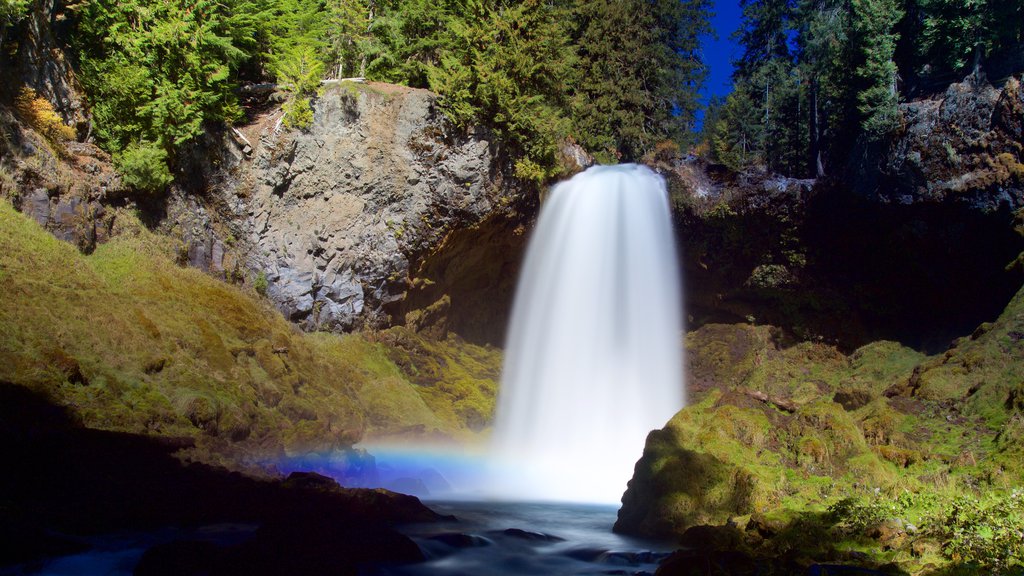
(874, 36)
(639, 73)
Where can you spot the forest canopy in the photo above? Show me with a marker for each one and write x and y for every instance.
(617, 76)
(817, 76)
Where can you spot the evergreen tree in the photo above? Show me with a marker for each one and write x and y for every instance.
(764, 33)
(348, 36)
(737, 134)
(873, 29)
(958, 33)
(639, 73)
(157, 70)
(512, 69)
(822, 53)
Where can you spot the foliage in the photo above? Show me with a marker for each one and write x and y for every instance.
(157, 71)
(987, 533)
(823, 75)
(735, 135)
(260, 284)
(348, 36)
(958, 32)
(144, 167)
(11, 11)
(616, 77)
(872, 32)
(40, 115)
(513, 73)
(639, 71)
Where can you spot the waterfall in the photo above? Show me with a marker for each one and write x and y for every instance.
(594, 351)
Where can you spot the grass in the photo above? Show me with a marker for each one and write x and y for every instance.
(132, 342)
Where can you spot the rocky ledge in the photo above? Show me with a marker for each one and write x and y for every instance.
(72, 483)
(336, 219)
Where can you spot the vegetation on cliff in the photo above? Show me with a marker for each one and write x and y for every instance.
(130, 341)
(617, 77)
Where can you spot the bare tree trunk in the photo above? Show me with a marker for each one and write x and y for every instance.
(817, 166)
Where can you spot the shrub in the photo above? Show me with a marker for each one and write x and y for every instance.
(298, 113)
(144, 167)
(260, 284)
(989, 534)
(40, 115)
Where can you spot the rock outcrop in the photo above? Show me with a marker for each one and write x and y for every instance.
(965, 144)
(879, 252)
(340, 216)
(778, 430)
(64, 186)
(42, 64)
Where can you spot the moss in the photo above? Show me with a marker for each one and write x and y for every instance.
(900, 422)
(146, 346)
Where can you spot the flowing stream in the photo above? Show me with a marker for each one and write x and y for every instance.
(526, 539)
(594, 352)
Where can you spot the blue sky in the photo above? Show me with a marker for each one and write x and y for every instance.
(720, 52)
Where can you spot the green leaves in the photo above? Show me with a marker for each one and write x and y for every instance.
(156, 71)
(873, 30)
(144, 168)
(618, 77)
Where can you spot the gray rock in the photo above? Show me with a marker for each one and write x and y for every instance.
(340, 211)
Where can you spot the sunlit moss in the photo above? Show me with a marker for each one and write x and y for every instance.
(131, 341)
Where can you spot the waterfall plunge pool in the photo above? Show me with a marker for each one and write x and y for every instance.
(526, 539)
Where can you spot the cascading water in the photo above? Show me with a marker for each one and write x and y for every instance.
(593, 358)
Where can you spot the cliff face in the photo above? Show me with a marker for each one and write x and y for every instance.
(338, 218)
(912, 244)
(965, 144)
(42, 64)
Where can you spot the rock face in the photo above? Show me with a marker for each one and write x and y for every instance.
(43, 65)
(964, 144)
(338, 216)
(877, 252)
(338, 211)
(64, 186)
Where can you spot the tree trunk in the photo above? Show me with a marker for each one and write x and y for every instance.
(816, 164)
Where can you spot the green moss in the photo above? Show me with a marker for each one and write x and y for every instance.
(903, 427)
(170, 351)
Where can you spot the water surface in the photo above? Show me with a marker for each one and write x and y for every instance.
(516, 538)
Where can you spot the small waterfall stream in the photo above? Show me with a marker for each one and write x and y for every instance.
(594, 351)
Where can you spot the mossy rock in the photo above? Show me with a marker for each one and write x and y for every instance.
(132, 342)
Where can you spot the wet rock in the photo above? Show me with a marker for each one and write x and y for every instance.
(407, 485)
(530, 536)
(459, 540)
(702, 563)
(713, 538)
(311, 481)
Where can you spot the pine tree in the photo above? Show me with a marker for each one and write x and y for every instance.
(512, 69)
(764, 33)
(348, 36)
(639, 73)
(873, 28)
(958, 33)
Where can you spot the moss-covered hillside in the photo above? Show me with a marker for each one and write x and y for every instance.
(132, 342)
(881, 456)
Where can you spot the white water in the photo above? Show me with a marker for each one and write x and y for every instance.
(593, 357)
